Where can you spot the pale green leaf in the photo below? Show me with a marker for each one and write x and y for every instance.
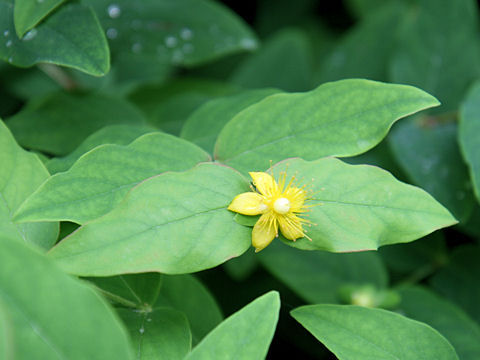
(28, 13)
(71, 37)
(121, 134)
(6, 334)
(427, 151)
(244, 335)
(172, 223)
(362, 207)
(58, 123)
(55, 316)
(342, 118)
(353, 332)
(317, 276)
(462, 332)
(469, 135)
(204, 124)
(99, 180)
(21, 174)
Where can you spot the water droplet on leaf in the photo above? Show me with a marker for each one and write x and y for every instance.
(30, 35)
(136, 47)
(114, 11)
(186, 34)
(171, 41)
(112, 33)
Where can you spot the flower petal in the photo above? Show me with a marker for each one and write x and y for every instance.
(264, 231)
(291, 227)
(248, 203)
(265, 183)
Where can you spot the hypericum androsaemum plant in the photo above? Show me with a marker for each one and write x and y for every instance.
(121, 177)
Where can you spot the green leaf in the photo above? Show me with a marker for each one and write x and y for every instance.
(342, 118)
(317, 276)
(162, 31)
(100, 179)
(353, 332)
(365, 50)
(284, 62)
(168, 106)
(22, 173)
(53, 315)
(458, 281)
(428, 152)
(28, 13)
(158, 334)
(70, 37)
(150, 291)
(191, 205)
(59, 123)
(121, 134)
(469, 138)
(240, 268)
(463, 333)
(362, 207)
(205, 123)
(432, 36)
(234, 338)
(6, 334)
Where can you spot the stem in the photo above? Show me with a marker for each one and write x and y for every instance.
(58, 75)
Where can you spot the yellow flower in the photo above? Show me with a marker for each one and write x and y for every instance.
(280, 205)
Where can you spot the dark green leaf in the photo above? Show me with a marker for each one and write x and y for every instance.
(28, 13)
(428, 152)
(70, 37)
(60, 122)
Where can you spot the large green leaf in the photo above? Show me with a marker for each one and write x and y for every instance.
(72, 37)
(159, 31)
(244, 335)
(58, 123)
(53, 315)
(463, 333)
(149, 292)
(469, 135)
(204, 124)
(172, 223)
(433, 35)
(317, 276)
(28, 13)
(6, 334)
(284, 62)
(342, 118)
(353, 332)
(121, 134)
(161, 333)
(21, 174)
(364, 52)
(428, 153)
(362, 207)
(458, 281)
(101, 178)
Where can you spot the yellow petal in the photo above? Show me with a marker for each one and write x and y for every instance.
(248, 203)
(291, 227)
(264, 182)
(264, 231)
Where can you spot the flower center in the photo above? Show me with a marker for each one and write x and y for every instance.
(281, 205)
